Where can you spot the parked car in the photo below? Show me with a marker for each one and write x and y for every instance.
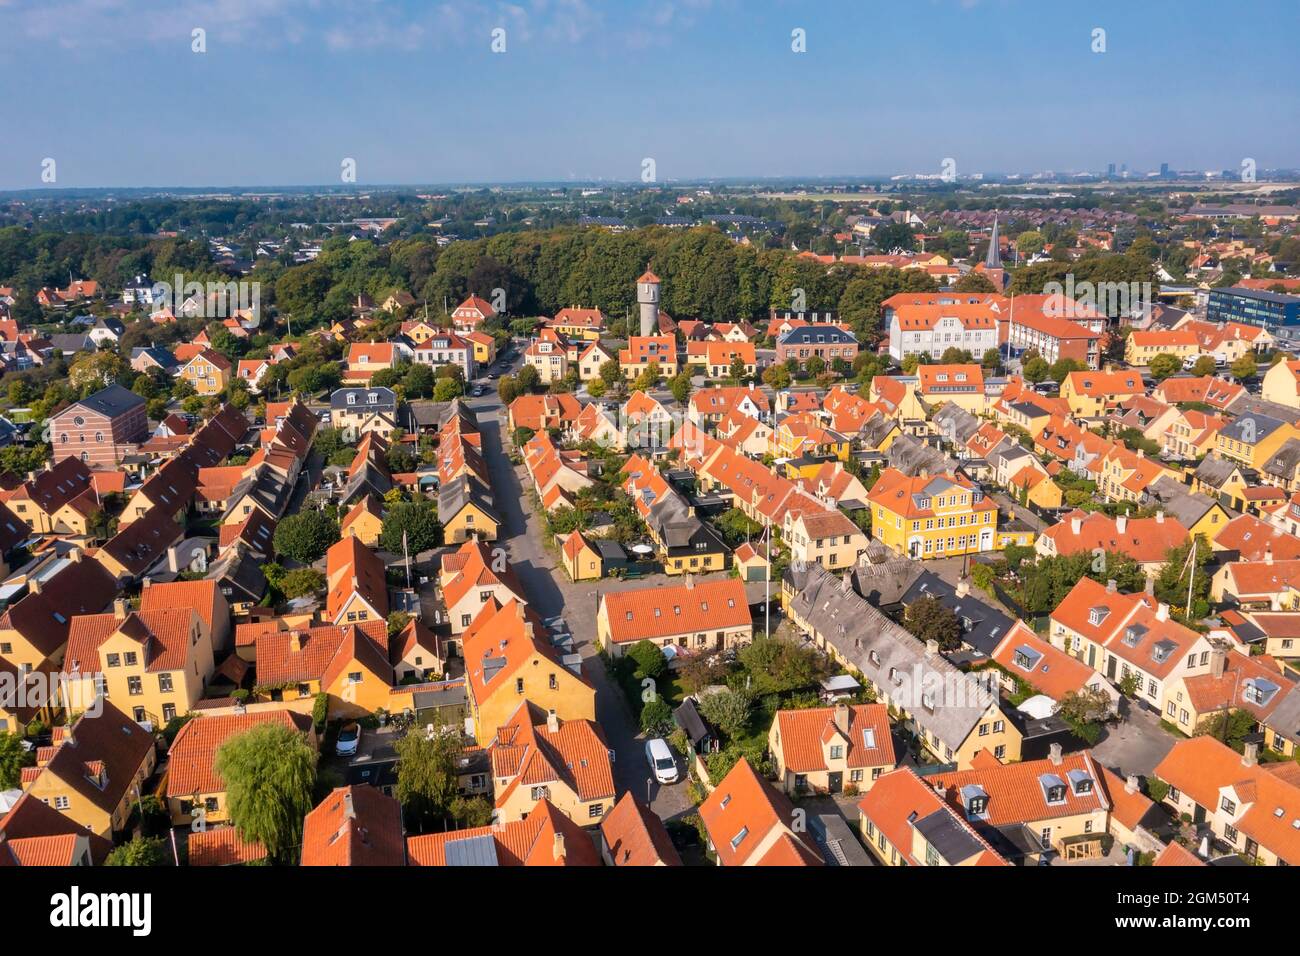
(349, 740)
(661, 760)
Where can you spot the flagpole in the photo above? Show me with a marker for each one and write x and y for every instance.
(407, 554)
(767, 587)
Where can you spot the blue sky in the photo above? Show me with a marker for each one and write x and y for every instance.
(111, 90)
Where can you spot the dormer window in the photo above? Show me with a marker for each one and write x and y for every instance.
(1053, 788)
(1097, 614)
(1080, 782)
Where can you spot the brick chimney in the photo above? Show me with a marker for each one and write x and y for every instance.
(1112, 586)
(932, 648)
(119, 609)
(558, 851)
(1218, 661)
(552, 722)
(1131, 784)
(1121, 523)
(1251, 755)
(1162, 611)
(1054, 754)
(1160, 517)
(297, 641)
(1076, 525)
(841, 718)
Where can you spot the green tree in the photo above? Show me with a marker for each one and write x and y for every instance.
(929, 620)
(306, 536)
(656, 716)
(446, 389)
(1030, 243)
(729, 710)
(141, 851)
(974, 282)
(1245, 367)
(681, 386)
(426, 775)
(13, 757)
(1037, 370)
(1164, 365)
(269, 772)
(527, 379)
(1204, 366)
(611, 373)
(649, 659)
(419, 520)
(301, 581)
(470, 812)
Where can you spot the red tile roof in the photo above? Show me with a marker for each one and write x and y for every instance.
(546, 837)
(354, 826)
(865, 735)
(657, 612)
(193, 753)
(635, 836)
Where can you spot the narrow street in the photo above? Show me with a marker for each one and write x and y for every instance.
(550, 593)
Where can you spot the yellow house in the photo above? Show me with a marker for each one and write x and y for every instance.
(1244, 804)
(196, 793)
(580, 559)
(931, 516)
(465, 510)
(803, 434)
(510, 659)
(1192, 434)
(208, 372)
(826, 537)
(1252, 438)
(350, 663)
(698, 615)
(152, 664)
(831, 749)
(1089, 394)
(577, 323)
(365, 521)
(485, 347)
(1061, 799)
(1282, 384)
(591, 359)
(1035, 486)
(536, 756)
(904, 822)
(549, 356)
(1142, 347)
(94, 771)
(954, 715)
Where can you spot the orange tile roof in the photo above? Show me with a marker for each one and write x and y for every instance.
(1256, 540)
(1267, 795)
(654, 613)
(354, 826)
(546, 837)
(1053, 672)
(1175, 854)
(741, 813)
(192, 755)
(1146, 540)
(202, 596)
(898, 799)
(222, 846)
(307, 654)
(529, 754)
(635, 836)
(1017, 792)
(803, 734)
(352, 568)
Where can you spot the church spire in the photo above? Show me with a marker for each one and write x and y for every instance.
(993, 260)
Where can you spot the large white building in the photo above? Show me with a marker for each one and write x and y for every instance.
(931, 330)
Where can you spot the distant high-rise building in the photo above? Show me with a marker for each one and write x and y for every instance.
(1110, 169)
(1164, 170)
(647, 296)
